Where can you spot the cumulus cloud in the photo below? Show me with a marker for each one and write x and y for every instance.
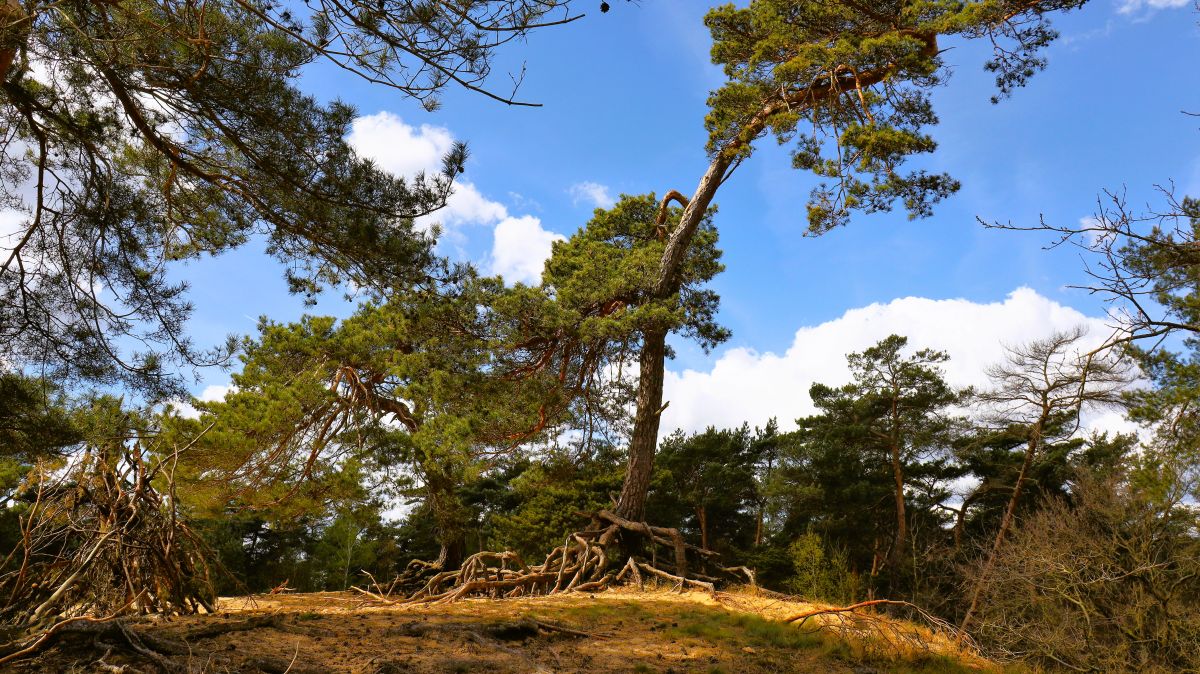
(745, 385)
(520, 245)
(520, 249)
(466, 206)
(593, 193)
(1135, 6)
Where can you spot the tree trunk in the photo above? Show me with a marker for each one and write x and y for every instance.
(702, 516)
(447, 516)
(901, 516)
(758, 527)
(450, 555)
(1035, 438)
(632, 503)
(351, 540)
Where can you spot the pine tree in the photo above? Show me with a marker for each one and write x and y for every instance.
(849, 84)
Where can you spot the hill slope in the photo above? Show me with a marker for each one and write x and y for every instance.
(615, 631)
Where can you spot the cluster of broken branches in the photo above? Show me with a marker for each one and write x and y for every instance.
(100, 539)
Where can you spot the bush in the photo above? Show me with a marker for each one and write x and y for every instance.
(1107, 582)
(821, 572)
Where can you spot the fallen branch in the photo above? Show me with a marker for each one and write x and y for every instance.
(890, 635)
(803, 617)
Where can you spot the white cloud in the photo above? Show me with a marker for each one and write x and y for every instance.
(405, 150)
(520, 249)
(466, 206)
(1134, 6)
(591, 192)
(745, 385)
(216, 392)
(397, 147)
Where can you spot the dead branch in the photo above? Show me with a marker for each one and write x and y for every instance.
(884, 633)
(103, 538)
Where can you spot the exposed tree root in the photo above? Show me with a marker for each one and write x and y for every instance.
(583, 563)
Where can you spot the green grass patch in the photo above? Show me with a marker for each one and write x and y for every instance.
(741, 629)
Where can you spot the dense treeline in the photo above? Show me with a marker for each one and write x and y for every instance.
(1102, 547)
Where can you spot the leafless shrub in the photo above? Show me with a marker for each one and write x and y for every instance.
(1108, 583)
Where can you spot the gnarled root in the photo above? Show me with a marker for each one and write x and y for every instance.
(581, 564)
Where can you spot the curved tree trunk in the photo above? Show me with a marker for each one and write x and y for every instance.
(632, 503)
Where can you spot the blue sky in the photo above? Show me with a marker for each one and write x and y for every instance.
(624, 101)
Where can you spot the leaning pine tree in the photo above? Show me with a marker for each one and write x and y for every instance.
(849, 84)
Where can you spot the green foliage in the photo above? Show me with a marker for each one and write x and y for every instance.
(602, 278)
(546, 496)
(849, 84)
(441, 376)
(821, 573)
(890, 425)
(35, 421)
(162, 130)
(708, 484)
(994, 456)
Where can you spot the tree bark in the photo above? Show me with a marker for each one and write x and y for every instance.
(632, 503)
(702, 516)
